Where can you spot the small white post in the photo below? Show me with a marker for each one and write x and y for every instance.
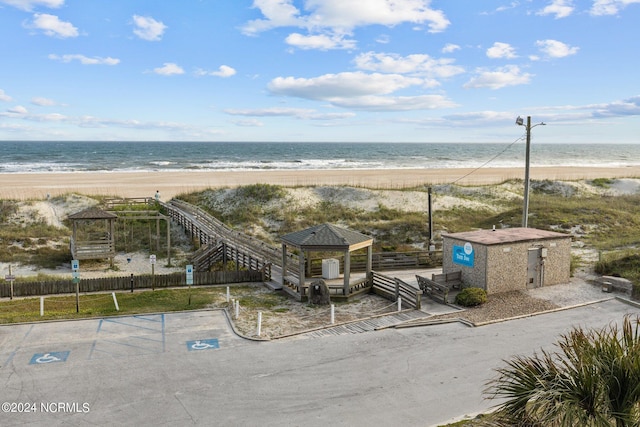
(259, 323)
(333, 314)
(115, 301)
(41, 306)
(228, 294)
(399, 303)
(237, 309)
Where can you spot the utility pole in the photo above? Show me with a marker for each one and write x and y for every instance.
(525, 207)
(527, 162)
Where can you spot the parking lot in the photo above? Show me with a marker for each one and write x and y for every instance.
(190, 369)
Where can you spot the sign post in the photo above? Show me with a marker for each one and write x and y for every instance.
(10, 278)
(189, 279)
(75, 273)
(152, 260)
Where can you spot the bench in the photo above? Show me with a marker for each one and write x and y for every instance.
(452, 280)
(433, 289)
(439, 286)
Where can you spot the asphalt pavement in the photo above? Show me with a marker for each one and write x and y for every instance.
(191, 369)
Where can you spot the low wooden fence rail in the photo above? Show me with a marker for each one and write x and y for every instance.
(211, 231)
(392, 288)
(123, 283)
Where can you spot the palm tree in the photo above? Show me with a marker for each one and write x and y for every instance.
(593, 380)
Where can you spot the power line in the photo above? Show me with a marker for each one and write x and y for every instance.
(488, 161)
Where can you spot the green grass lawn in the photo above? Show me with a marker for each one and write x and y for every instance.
(101, 305)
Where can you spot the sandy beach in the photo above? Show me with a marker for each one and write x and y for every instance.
(24, 186)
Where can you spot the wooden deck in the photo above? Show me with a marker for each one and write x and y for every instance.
(357, 285)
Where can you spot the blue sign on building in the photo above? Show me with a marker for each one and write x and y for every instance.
(208, 344)
(463, 255)
(44, 358)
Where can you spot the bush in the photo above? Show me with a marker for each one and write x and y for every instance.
(470, 297)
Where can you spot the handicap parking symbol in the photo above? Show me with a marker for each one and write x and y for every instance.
(44, 358)
(208, 344)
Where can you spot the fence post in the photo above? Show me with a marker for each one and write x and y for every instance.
(397, 288)
(259, 323)
(115, 301)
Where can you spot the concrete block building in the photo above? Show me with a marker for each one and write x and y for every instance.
(508, 259)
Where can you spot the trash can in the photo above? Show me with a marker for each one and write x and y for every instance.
(330, 268)
(607, 286)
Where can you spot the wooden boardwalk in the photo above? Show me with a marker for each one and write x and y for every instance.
(367, 325)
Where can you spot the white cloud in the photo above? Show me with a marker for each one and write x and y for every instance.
(320, 41)
(559, 8)
(248, 123)
(342, 85)
(348, 14)
(416, 63)
(278, 13)
(169, 69)
(148, 28)
(84, 60)
(299, 113)
(43, 102)
(271, 112)
(383, 39)
(4, 97)
(450, 47)
(28, 5)
(609, 7)
(18, 110)
(510, 75)
(329, 21)
(556, 49)
(223, 71)
(395, 103)
(52, 26)
(501, 50)
(359, 90)
(627, 107)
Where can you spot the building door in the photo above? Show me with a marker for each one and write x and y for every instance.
(533, 268)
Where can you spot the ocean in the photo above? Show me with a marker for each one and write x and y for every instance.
(52, 156)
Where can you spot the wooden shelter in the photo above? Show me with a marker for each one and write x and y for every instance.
(323, 238)
(93, 234)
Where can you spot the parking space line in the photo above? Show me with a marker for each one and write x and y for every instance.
(13, 353)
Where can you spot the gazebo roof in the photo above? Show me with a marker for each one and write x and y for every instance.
(327, 237)
(92, 213)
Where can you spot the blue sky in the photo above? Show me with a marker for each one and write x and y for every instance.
(319, 70)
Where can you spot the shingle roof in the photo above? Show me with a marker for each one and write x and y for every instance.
(326, 236)
(93, 213)
(505, 235)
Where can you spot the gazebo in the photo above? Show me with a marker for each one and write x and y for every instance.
(323, 238)
(95, 241)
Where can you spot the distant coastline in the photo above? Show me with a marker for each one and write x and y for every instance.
(62, 157)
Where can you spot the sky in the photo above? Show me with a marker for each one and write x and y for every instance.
(320, 70)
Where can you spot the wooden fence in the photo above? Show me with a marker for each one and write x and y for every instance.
(391, 288)
(147, 281)
(384, 261)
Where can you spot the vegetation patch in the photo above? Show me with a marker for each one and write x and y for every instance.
(471, 297)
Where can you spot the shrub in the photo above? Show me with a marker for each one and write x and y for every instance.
(470, 297)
